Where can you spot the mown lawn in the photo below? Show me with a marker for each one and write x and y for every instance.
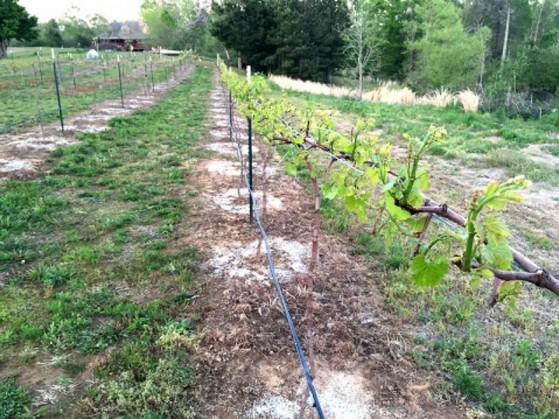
(94, 294)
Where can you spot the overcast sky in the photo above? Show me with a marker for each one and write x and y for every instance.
(111, 9)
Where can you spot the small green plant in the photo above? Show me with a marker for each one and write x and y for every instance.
(52, 275)
(14, 399)
(468, 383)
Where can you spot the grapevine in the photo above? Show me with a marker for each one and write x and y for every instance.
(361, 173)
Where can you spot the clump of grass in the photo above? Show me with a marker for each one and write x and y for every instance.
(312, 87)
(552, 149)
(52, 275)
(440, 98)
(14, 399)
(516, 163)
(469, 100)
(391, 93)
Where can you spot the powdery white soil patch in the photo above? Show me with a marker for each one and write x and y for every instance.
(342, 395)
(223, 135)
(231, 202)
(537, 153)
(229, 149)
(93, 118)
(247, 261)
(146, 101)
(41, 143)
(220, 123)
(223, 167)
(84, 128)
(114, 111)
(229, 168)
(15, 165)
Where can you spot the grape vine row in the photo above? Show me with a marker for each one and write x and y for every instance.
(361, 173)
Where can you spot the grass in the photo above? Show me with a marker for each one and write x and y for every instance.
(13, 399)
(27, 86)
(90, 256)
(476, 139)
(499, 361)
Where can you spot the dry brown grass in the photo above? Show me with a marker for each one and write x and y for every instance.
(312, 87)
(469, 100)
(440, 98)
(387, 92)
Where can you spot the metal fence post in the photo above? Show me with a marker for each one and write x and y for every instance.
(230, 116)
(152, 79)
(251, 209)
(120, 81)
(56, 83)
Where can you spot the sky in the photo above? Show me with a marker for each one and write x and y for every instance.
(111, 9)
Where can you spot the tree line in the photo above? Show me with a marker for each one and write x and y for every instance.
(506, 50)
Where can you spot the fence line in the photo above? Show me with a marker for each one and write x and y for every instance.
(254, 212)
(55, 91)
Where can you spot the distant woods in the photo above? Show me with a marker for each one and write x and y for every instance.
(505, 50)
(508, 50)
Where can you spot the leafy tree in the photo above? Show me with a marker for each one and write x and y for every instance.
(362, 40)
(177, 24)
(51, 34)
(15, 23)
(250, 27)
(77, 32)
(299, 38)
(446, 55)
(99, 25)
(394, 23)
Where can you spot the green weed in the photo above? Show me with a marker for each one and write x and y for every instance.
(14, 399)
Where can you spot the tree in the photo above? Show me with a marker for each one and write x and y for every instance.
(446, 55)
(362, 40)
(99, 25)
(15, 23)
(177, 24)
(250, 27)
(298, 38)
(51, 35)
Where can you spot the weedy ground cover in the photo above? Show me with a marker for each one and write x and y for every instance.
(501, 360)
(28, 92)
(93, 285)
(477, 140)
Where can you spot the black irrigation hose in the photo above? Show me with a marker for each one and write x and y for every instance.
(273, 273)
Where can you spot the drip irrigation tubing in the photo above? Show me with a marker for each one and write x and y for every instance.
(298, 346)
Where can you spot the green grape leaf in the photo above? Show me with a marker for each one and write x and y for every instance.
(329, 190)
(495, 229)
(372, 175)
(423, 178)
(291, 169)
(486, 273)
(417, 223)
(395, 211)
(415, 198)
(497, 255)
(428, 273)
(499, 202)
(475, 282)
(509, 288)
(351, 202)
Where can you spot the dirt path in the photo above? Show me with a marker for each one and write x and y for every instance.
(24, 154)
(247, 362)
